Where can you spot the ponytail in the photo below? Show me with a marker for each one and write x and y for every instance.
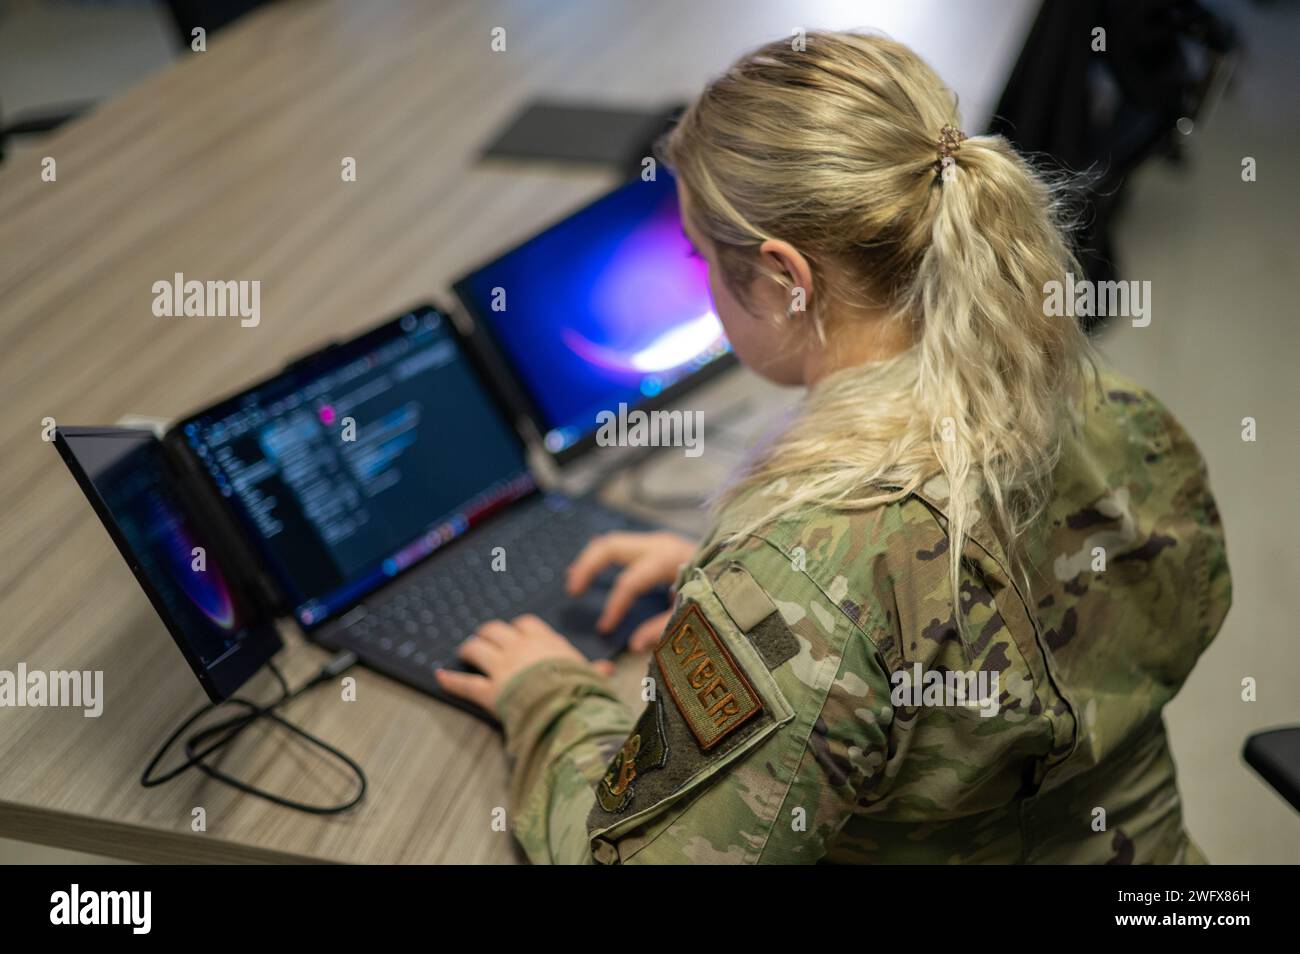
(995, 374)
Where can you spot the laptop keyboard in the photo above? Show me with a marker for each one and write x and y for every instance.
(414, 626)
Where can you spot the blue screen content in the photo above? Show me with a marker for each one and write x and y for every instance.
(609, 306)
(361, 463)
(129, 475)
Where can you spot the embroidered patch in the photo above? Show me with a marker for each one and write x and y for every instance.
(711, 692)
(644, 750)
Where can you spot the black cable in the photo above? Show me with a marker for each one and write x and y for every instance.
(229, 729)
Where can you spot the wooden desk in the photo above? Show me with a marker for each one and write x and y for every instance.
(227, 166)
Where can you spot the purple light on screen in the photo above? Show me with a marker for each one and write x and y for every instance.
(652, 300)
(207, 589)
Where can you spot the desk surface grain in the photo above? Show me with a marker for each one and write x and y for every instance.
(226, 165)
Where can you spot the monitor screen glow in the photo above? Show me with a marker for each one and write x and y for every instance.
(610, 306)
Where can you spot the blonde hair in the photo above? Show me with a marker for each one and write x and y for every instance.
(833, 148)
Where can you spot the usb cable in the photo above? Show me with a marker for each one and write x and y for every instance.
(214, 737)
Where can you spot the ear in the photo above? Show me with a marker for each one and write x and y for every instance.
(784, 258)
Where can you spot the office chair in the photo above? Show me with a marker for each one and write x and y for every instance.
(186, 15)
(1166, 61)
(1275, 755)
(36, 122)
(211, 15)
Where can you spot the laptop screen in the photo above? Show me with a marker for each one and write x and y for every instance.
(607, 307)
(358, 462)
(125, 476)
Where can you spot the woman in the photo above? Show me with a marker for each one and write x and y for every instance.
(940, 612)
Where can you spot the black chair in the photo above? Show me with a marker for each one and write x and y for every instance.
(37, 122)
(211, 15)
(186, 15)
(1275, 755)
(1108, 113)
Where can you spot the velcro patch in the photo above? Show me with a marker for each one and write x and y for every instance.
(710, 690)
(644, 750)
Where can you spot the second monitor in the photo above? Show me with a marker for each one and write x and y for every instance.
(607, 307)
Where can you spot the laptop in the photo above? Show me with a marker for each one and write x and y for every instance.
(607, 307)
(375, 491)
(378, 490)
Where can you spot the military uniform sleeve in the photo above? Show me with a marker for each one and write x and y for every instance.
(768, 723)
(561, 721)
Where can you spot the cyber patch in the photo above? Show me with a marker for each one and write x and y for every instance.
(644, 750)
(709, 688)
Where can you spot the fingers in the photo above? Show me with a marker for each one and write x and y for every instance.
(604, 666)
(480, 653)
(496, 632)
(466, 685)
(647, 635)
(599, 553)
(631, 583)
(531, 625)
(500, 650)
(495, 638)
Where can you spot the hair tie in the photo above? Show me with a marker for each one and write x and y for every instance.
(949, 141)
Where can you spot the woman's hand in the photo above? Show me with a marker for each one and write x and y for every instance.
(649, 560)
(499, 650)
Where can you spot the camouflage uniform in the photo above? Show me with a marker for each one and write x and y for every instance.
(774, 733)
